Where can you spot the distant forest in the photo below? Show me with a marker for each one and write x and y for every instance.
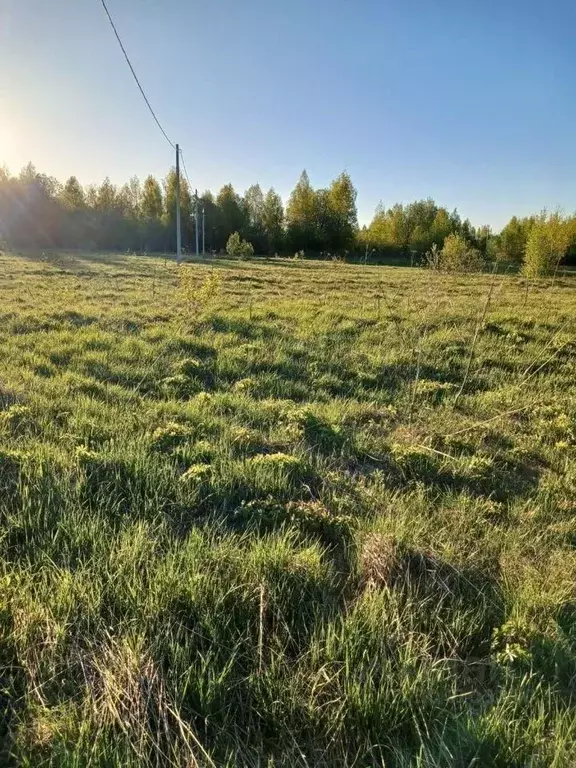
(37, 211)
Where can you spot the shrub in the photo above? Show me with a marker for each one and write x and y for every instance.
(546, 246)
(238, 247)
(457, 255)
(432, 257)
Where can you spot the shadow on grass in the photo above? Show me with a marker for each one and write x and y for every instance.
(246, 329)
(504, 479)
(13, 689)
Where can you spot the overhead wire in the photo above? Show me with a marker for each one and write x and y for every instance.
(185, 170)
(135, 76)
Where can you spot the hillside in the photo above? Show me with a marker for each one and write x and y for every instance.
(284, 513)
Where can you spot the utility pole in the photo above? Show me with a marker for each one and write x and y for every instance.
(203, 231)
(178, 232)
(196, 216)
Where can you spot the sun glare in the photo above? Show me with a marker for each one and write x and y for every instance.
(6, 143)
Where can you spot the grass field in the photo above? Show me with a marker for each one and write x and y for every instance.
(285, 514)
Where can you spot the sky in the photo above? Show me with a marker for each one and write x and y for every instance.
(470, 103)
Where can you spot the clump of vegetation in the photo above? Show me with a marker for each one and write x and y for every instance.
(18, 419)
(311, 518)
(546, 245)
(281, 460)
(197, 292)
(238, 247)
(171, 435)
(511, 644)
(248, 440)
(456, 255)
(196, 473)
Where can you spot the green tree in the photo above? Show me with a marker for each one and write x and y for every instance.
(211, 219)
(323, 234)
(129, 198)
(342, 214)
(389, 229)
(513, 239)
(485, 241)
(153, 233)
(106, 196)
(420, 216)
(91, 195)
(468, 232)
(169, 217)
(413, 228)
(441, 227)
(571, 251)
(546, 245)
(253, 204)
(231, 214)
(301, 216)
(273, 221)
(28, 174)
(72, 197)
(151, 203)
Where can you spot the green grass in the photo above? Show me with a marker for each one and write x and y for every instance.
(285, 514)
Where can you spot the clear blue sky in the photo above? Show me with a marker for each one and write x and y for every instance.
(472, 103)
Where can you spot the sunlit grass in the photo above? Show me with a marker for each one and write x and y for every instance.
(285, 513)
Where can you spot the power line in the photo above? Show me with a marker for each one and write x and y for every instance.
(185, 171)
(135, 75)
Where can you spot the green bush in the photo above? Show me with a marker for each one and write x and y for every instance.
(238, 247)
(457, 255)
(546, 246)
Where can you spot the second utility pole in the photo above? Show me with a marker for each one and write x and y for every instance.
(203, 230)
(196, 219)
(178, 233)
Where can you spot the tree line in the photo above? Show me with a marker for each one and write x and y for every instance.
(38, 211)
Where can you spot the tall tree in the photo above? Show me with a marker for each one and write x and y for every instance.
(91, 195)
(211, 219)
(546, 246)
(253, 204)
(442, 226)
(231, 215)
(151, 203)
(72, 196)
(343, 213)
(514, 237)
(28, 174)
(170, 209)
(129, 198)
(151, 209)
(412, 228)
(301, 216)
(273, 221)
(106, 196)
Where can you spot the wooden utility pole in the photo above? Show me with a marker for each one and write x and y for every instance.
(196, 218)
(203, 231)
(178, 232)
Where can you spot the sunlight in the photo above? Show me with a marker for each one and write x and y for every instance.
(6, 142)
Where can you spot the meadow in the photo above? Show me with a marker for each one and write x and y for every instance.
(285, 513)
